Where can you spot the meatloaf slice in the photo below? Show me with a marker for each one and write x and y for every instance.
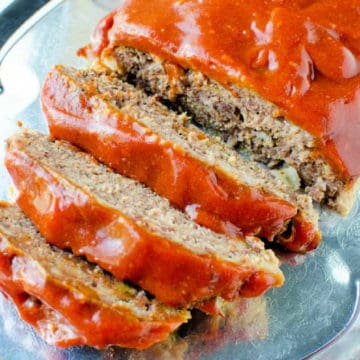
(241, 117)
(133, 233)
(140, 138)
(93, 308)
(51, 326)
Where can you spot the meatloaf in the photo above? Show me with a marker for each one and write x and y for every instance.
(71, 302)
(139, 137)
(256, 73)
(50, 325)
(130, 231)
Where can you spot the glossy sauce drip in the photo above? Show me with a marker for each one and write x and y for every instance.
(75, 320)
(64, 308)
(52, 327)
(211, 197)
(304, 56)
(69, 217)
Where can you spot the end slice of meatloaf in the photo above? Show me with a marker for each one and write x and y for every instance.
(241, 117)
(50, 325)
(92, 308)
(140, 138)
(130, 231)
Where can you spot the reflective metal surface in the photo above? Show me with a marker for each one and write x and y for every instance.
(318, 302)
(13, 13)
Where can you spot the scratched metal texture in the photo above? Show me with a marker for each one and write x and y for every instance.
(318, 302)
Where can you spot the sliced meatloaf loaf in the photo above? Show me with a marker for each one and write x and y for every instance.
(140, 138)
(130, 231)
(256, 73)
(87, 306)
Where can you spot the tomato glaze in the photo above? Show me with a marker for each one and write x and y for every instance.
(70, 217)
(209, 195)
(301, 55)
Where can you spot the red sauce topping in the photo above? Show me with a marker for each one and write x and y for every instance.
(66, 315)
(69, 217)
(211, 198)
(50, 325)
(76, 321)
(302, 55)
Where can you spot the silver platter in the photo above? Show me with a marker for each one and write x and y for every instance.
(303, 319)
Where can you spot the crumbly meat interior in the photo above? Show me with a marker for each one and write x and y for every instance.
(239, 116)
(139, 203)
(178, 130)
(17, 231)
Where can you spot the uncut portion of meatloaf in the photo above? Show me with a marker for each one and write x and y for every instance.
(240, 117)
(140, 138)
(130, 231)
(99, 309)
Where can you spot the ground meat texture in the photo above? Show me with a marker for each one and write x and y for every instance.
(141, 138)
(71, 302)
(240, 117)
(128, 230)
